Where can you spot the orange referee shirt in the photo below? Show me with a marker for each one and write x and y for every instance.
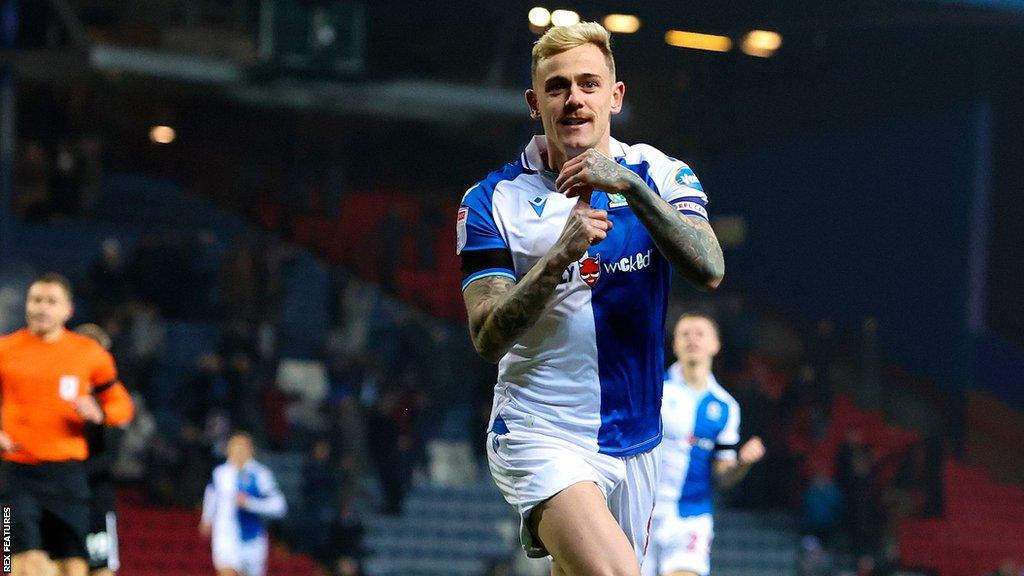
(38, 382)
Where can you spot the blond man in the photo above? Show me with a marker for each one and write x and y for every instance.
(566, 258)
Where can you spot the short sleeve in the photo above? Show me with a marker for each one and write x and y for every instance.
(479, 242)
(475, 225)
(677, 184)
(104, 370)
(730, 435)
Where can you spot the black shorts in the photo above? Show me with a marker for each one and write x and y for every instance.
(49, 507)
(101, 542)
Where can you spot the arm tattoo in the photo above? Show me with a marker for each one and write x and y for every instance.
(688, 242)
(500, 311)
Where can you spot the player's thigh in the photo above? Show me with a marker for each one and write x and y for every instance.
(581, 534)
(30, 563)
(227, 572)
(681, 573)
(72, 567)
(101, 572)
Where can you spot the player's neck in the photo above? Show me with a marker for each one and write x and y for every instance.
(49, 336)
(554, 158)
(696, 375)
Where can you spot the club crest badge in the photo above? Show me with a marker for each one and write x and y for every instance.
(590, 270)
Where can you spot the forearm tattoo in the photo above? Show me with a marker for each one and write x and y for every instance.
(688, 242)
(500, 311)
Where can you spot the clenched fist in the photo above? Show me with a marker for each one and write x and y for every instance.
(752, 451)
(584, 228)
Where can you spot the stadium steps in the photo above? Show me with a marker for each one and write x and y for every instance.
(983, 525)
(165, 542)
(442, 531)
(749, 542)
(458, 531)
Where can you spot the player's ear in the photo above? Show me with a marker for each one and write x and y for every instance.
(618, 92)
(531, 100)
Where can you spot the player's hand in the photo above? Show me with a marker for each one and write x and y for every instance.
(205, 529)
(752, 451)
(6, 443)
(584, 228)
(241, 499)
(89, 409)
(593, 170)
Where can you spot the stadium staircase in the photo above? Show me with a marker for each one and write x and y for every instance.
(442, 531)
(754, 543)
(458, 531)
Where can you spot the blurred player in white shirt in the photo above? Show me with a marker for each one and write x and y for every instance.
(701, 431)
(242, 495)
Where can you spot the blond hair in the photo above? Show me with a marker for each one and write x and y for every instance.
(562, 38)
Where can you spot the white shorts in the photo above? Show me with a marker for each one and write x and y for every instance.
(530, 468)
(679, 544)
(246, 558)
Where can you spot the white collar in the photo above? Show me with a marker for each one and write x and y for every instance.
(532, 158)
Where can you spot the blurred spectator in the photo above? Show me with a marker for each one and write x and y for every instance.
(196, 465)
(32, 201)
(739, 329)
(106, 285)
(823, 507)
(67, 181)
(246, 395)
(347, 566)
(863, 515)
(346, 538)
(320, 481)
(866, 566)
(813, 559)
(208, 390)
(238, 283)
(393, 446)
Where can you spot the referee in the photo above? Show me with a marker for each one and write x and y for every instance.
(47, 378)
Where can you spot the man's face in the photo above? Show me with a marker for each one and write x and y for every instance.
(239, 450)
(696, 341)
(47, 308)
(575, 95)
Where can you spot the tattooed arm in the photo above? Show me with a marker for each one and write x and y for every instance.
(687, 242)
(500, 311)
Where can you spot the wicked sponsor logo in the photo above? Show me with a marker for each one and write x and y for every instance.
(633, 263)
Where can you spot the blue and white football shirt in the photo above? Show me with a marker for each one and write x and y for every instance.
(590, 370)
(695, 423)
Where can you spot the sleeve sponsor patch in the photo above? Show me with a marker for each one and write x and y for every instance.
(460, 229)
(686, 177)
(689, 206)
